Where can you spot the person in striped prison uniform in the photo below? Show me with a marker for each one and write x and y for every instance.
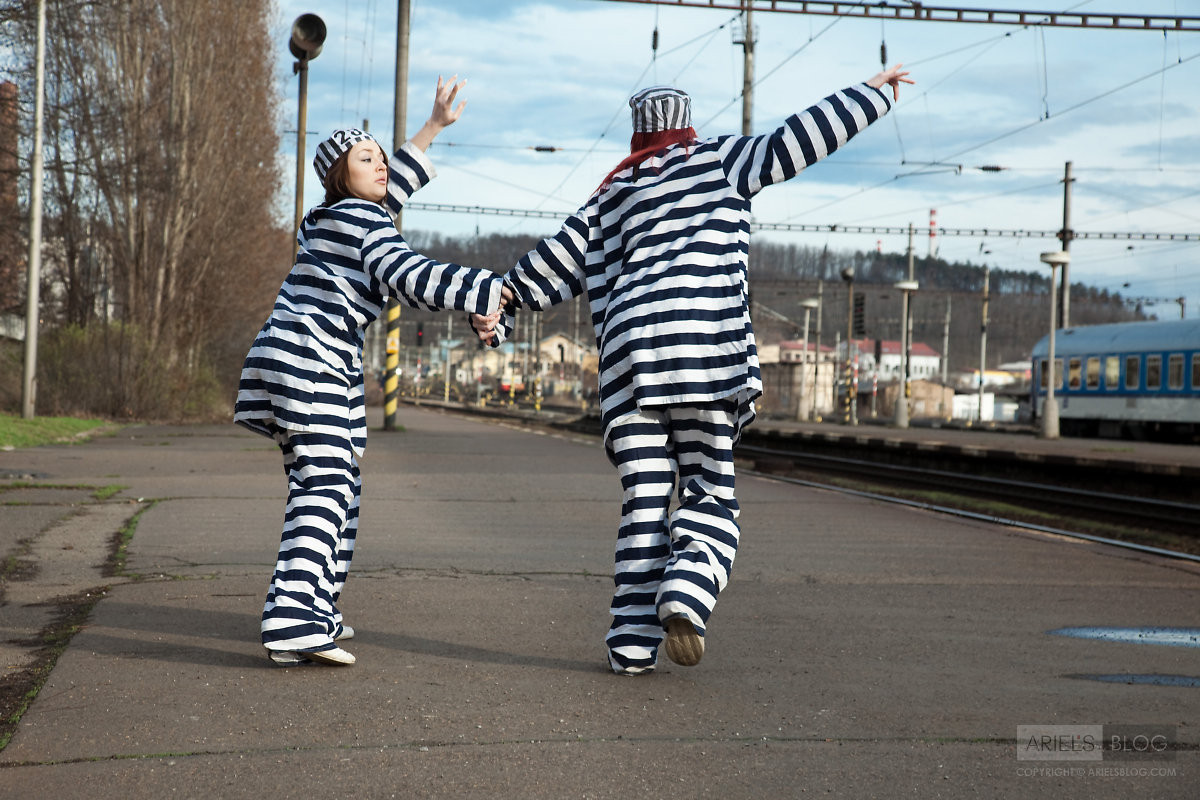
(302, 381)
(661, 249)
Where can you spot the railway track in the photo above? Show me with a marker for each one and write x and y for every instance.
(1074, 511)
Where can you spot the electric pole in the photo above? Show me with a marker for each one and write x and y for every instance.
(1064, 306)
(391, 386)
(945, 355)
(983, 342)
(748, 74)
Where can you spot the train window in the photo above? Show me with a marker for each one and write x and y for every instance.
(1133, 368)
(1195, 371)
(1046, 372)
(1112, 373)
(1153, 373)
(1093, 372)
(1074, 377)
(1175, 371)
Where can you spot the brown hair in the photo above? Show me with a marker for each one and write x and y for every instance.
(337, 179)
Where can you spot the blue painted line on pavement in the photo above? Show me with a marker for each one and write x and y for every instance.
(1173, 637)
(1186, 681)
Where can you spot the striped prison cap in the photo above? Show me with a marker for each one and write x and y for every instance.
(336, 146)
(660, 108)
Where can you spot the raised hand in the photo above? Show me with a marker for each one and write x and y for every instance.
(891, 77)
(444, 113)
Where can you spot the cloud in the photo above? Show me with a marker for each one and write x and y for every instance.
(559, 72)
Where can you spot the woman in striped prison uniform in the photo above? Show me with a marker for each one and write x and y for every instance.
(660, 249)
(302, 382)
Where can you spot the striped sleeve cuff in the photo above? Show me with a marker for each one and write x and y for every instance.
(408, 170)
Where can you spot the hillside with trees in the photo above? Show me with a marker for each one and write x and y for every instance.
(783, 275)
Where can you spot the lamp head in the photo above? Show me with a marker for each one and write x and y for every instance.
(848, 274)
(907, 286)
(810, 302)
(1056, 258)
(308, 35)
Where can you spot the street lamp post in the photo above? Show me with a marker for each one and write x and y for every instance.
(851, 389)
(808, 305)
(34, 265)
(901, 414)
(1056, 259)
(308, 35)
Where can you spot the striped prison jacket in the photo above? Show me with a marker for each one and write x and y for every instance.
(304, 371)
(661, 253)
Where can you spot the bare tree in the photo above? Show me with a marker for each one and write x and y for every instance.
(161, 134)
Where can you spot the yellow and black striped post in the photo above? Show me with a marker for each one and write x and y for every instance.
(391, 382)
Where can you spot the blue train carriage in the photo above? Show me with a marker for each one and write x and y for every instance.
(1130, 379)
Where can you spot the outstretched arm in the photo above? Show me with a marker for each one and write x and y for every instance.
(752, 162)
(549, 274)
(410, 169)
(415, 280)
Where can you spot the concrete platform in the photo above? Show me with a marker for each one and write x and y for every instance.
(862, 649)
(1162, 457)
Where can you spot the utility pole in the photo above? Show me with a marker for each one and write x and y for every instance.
(945, 356)
(817, 348)
(848, 372)
(34, 269)
(1064, 309)
(983, 342)
(748, 73)
(391, 387)
(446, 366)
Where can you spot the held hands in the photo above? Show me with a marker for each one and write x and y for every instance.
(485, 325)
(444, 113)
(891, 77)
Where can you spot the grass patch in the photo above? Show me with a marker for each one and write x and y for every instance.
(18, 432)
(105, 492)
(116, 565)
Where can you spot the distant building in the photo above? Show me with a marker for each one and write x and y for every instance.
(792, 352)
(926, 363)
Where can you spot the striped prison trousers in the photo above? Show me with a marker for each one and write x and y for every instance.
(320, 525)
(670, 562)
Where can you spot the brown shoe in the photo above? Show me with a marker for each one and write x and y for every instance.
(684, 646)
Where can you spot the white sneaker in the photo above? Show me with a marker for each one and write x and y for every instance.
(337, 657)
(347, 633)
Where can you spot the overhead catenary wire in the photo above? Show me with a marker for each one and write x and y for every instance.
(888, 230)
(996, 138)
(1074, 107)
(777, 67)
(616, 115)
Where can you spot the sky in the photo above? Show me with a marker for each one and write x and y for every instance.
(1120, 105)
